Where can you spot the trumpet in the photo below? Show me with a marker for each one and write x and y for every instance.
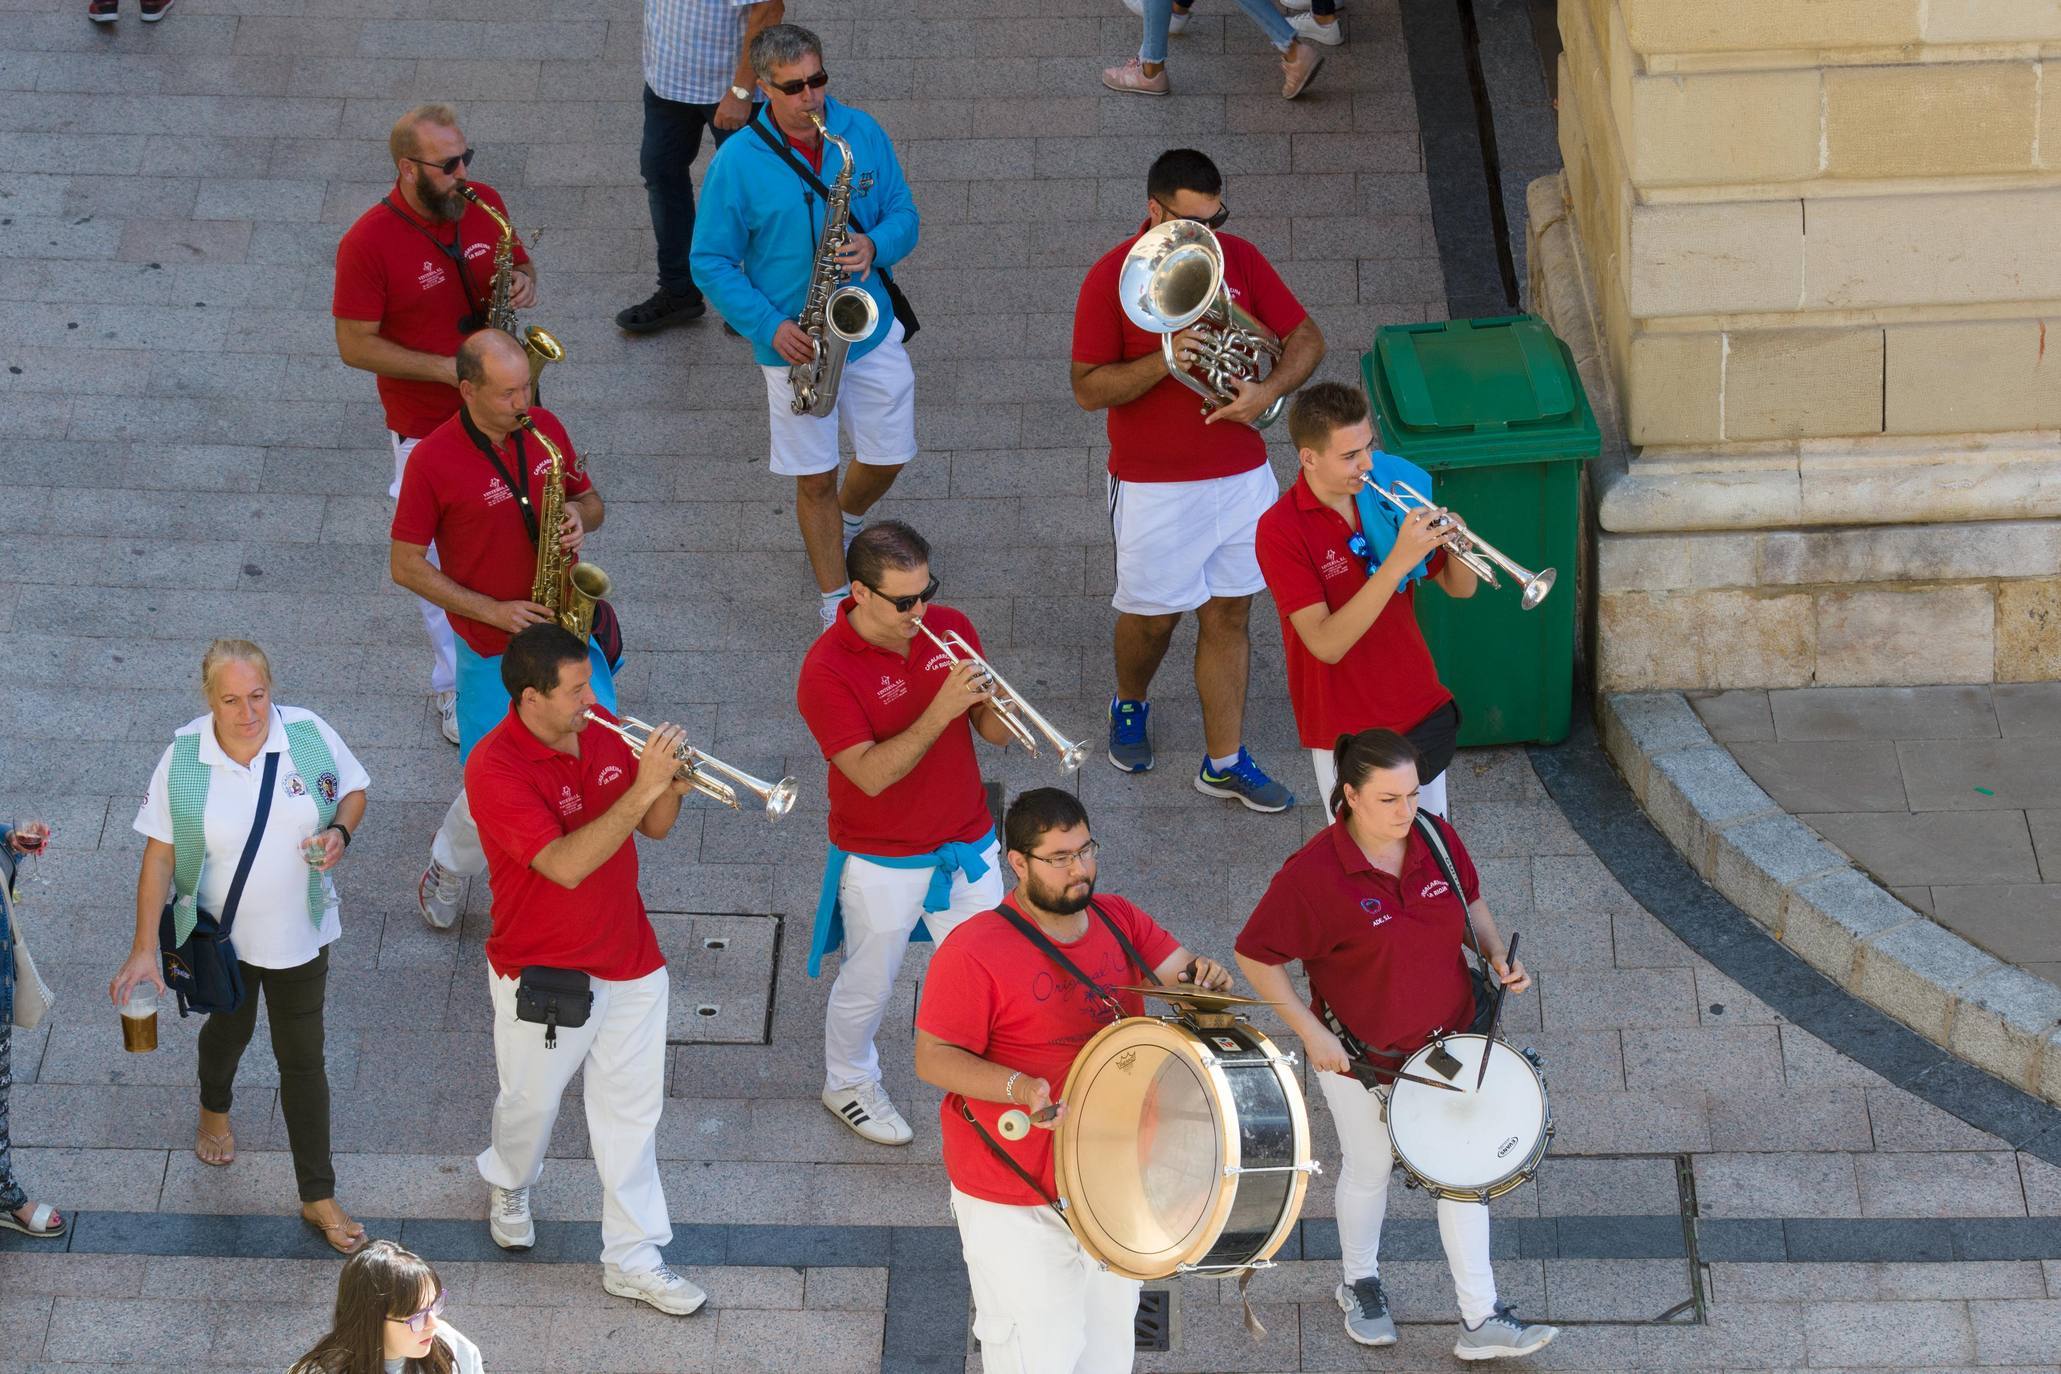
(1018, 716)
(1480, 556)
(702, 769)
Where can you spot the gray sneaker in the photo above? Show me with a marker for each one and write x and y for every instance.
(1502, 1336)
(1366, 1312)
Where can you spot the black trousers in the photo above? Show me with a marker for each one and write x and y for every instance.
(293, 1003)
(672, 140)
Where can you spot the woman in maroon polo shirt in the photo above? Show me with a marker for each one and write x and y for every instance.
(1367, 909)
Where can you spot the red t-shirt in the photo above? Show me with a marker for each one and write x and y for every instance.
(1381, 951)
(525, 794)
(388, 269)
(1386, 679)
(451, 496)
(1160, 436)
(852, 692)
(992, 993)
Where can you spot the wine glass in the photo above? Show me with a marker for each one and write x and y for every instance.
(31, 839)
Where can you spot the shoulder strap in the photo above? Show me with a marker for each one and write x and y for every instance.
(1428, 827)
(1029, 930)
(1054, 1203)
(1130, 950)
(250, 845)
(803, 170)
(518, 488)
(313, 760)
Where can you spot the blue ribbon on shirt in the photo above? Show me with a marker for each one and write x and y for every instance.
(949, 860)
(1381, 522)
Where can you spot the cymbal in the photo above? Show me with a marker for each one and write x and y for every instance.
(1195, 997)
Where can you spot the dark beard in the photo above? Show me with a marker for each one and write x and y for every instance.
(1057, 903)
(447, 208)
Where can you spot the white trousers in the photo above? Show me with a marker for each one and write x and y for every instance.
(456, 845)
(881, 906)
(1040, 1305)
(623, 1050)
(443, 674)
(1362, 1202)
(1431, 796)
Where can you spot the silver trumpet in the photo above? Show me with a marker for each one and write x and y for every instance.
(1480, 556)
(1018, 716)
(702, 770)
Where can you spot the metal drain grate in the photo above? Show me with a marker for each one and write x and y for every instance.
(1155, 1322)
(723, 970)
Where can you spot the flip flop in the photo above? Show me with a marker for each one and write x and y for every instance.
(338, 1234)
(224, 1141)
(44, 1223)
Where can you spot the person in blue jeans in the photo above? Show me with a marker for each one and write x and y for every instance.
(1145, 74)
(17, 1213)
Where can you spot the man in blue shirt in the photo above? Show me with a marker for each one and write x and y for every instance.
(754, 252)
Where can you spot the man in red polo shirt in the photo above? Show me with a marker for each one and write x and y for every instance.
(413, 277)
(912, 848)
(472, 489)
(558, 804)
(1356, 657)
(1186, 489)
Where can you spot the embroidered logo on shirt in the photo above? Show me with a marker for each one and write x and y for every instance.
(497, 492)
(568, 801)
(293, 786)
(892, 689)
(480, 250)
(326, 785)
(1334, 564)
(431, 275)
(939, 662)
(608, 775)
(1372, 906)
(1435, 888)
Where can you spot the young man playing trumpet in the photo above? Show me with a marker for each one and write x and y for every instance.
(1346, 594)
(912, 848)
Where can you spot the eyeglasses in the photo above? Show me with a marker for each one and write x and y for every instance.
(904, 604)
(450, 165)
(1215, 221)
(1084, 855)
(809, 83)
(421, 1319)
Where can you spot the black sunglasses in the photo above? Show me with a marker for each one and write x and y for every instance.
(807, 83)
(450, 165)
(905, 604)
(1215, 221)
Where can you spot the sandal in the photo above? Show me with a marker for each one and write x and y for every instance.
(223, 1144)
(346, 1237)
(45, 1222)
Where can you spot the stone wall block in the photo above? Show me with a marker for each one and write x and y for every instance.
(1992, 21)
(1826, 919)
(1943, 247)
(1696, 26)
(1978, 375)
(1797, 383)
(1714, 259)
(1694, 794)
(1755, 865)
(1905, 636)
(1910, 553)
(1930, 119)
(1725, 127)
(2002, 1022)
(1972, 477)
(1730, 638)
(2029, 628)
(1676, 562)
(1915, 971)
(1672, 388)
(2050, 1068)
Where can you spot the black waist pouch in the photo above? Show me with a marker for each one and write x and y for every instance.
(553, 997)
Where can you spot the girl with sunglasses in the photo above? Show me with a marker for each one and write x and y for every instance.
(389, 1305)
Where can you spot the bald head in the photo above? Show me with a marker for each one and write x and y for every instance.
(490, 356)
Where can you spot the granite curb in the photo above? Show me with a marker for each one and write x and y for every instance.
(1837, 919)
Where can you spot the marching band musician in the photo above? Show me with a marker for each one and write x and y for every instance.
(1001, 1022)
(1185, 490)
(472, 490)
(1366, 908)
(1356, 657)
(912, 847)
(756, 238)
(413, 277)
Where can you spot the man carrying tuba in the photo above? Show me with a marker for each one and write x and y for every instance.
(414, 276)
(476, 487)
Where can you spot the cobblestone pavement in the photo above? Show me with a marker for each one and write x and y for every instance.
(185, 457)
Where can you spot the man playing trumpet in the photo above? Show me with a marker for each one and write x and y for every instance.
(912, 847)
(473, 489)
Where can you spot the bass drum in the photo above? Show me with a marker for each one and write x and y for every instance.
(1185, 1147)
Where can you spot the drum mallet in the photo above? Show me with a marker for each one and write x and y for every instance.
(1016, 1123)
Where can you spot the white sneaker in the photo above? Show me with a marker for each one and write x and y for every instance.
(440, 895)
(1330, 35)
(659, 1287)
(508, 1218)
(830, 612)
(1180, 19)
(447, 714)
(867, 1110)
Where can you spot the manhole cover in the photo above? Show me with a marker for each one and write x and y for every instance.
(723, 967)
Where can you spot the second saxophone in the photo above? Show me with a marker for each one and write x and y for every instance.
(562, 585)
(536, 341)
(836, 314)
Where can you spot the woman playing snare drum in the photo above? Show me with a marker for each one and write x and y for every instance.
(1366, 908)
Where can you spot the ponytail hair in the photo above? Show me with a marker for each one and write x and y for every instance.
(1369, 751)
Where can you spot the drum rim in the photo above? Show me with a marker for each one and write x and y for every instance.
(1504, 1182)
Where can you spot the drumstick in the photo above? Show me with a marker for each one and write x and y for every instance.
(1495, 1012)
(1405, 1077)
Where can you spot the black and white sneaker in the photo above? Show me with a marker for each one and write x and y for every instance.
(1502, 1336)
(867, 1110)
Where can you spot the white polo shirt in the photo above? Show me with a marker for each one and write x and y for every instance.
(272, 928)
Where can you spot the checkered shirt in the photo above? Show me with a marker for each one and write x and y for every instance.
(691, 47)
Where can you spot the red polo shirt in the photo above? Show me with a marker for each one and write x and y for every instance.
(1386, 679)
(451, 496)
(1381, 951)
(397, 268)
(525, 794)
(852, 692)
(1160, 437)
(992, 993)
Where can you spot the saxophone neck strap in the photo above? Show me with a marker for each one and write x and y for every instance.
(454, 250)
(520, 490)
(785, 150)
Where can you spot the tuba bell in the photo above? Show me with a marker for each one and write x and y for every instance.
(1173, 279)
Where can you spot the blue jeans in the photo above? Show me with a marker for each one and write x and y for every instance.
(672, 140)
(1160, 13)
(12, 1198)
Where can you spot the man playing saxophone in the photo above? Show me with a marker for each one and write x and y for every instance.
(414, 276)
(478, 487)
(769, 229)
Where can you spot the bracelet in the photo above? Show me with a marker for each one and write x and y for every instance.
(340, 828)
(1009, 1088)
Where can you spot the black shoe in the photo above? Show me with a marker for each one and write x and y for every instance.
(731, 332)
(662, 311)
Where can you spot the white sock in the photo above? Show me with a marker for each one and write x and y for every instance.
(1222, 765)
(830, 599)
(852, 525)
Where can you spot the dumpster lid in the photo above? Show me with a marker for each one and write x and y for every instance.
(1483, 375)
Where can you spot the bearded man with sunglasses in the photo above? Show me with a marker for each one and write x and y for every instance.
(755, 240)
(912, 847)
(413, 277)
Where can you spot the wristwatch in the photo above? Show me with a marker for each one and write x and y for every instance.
(741, 93)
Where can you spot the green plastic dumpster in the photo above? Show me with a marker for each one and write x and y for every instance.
(1493, 410)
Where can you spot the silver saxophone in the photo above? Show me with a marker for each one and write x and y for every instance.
(836, 314)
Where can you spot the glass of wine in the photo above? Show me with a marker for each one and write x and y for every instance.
(30, 839)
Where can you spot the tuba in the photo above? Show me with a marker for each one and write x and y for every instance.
(536, 340)
(834, 316)
(1173, 279)
(566, 588)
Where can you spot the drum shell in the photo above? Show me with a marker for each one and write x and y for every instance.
(1524, 1164)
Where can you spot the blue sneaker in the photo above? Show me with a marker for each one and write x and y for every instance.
(1130, 746)
(1244, 782)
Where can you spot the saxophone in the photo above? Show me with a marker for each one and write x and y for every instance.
(566, 588)
(834, 316)
(536, 341)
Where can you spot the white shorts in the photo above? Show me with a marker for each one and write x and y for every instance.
(1180, 543)
(876, 401)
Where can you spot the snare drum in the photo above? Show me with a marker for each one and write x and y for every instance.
(1471, 1146)
(1184, 1147)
